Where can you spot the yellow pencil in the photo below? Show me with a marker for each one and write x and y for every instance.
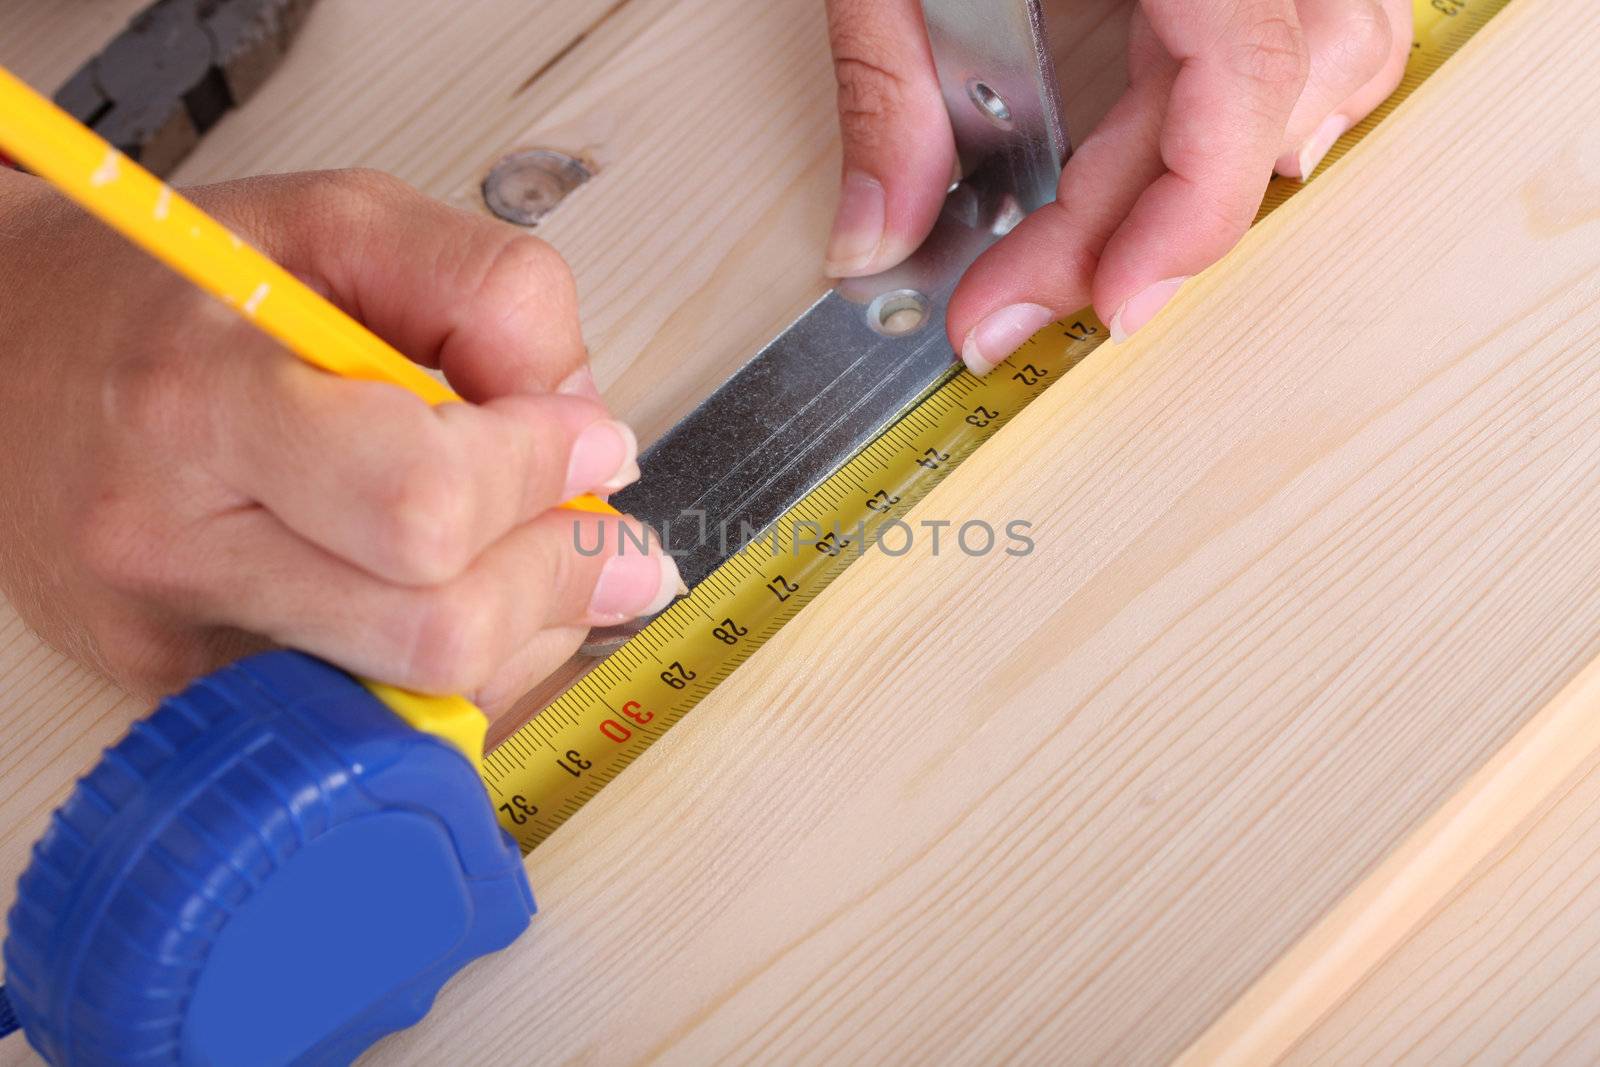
(146, 211)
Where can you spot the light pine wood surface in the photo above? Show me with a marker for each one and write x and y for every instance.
(1507, 971)
(1459, 839)
(1310, 550)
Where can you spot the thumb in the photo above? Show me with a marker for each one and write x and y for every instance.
(899, 153)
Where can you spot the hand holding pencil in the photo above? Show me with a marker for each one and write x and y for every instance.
(181, 488)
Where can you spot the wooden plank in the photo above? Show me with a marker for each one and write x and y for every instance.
(1508, 970)
(1455, 843)
(411, 87)
(1307, 555)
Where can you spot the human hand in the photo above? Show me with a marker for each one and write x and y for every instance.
(177, 487)
(1221, 93)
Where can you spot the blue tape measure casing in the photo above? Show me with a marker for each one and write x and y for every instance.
(270, 868)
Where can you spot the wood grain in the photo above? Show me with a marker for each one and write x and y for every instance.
(1308, 552)
(1355, 936)
(1308, 556)
(1507, 971)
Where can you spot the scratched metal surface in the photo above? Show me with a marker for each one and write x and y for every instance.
(824, 387)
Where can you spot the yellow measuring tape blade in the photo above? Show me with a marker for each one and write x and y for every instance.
(555, 763)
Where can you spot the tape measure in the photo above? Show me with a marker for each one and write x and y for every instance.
(542, 774)
(279, 866)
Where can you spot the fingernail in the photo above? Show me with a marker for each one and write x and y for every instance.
(1001, 333)
(1142, 307)
(1321, 139)
(580, 383)
(857, 227)
(633, 584)
(605, 457)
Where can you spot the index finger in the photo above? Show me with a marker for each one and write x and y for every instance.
(1242, 66)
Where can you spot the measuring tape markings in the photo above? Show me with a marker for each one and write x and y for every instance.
(555, 763)
(562, 757)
